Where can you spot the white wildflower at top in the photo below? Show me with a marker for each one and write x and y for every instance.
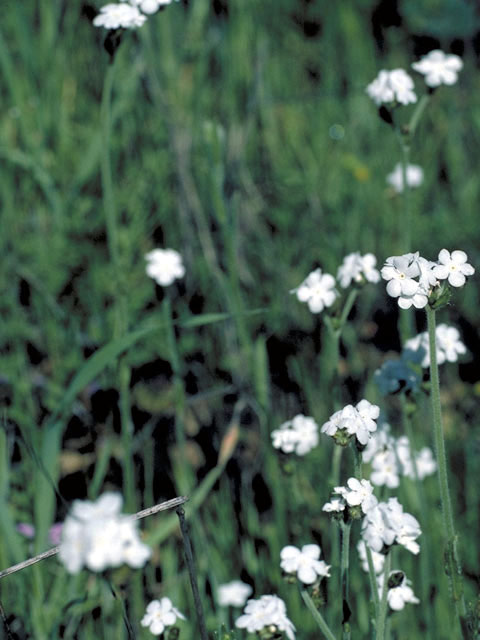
(378, 559)
(305, 563)
(233, 594)
(164, 266)
(453, 266)
(299, 435)
(357, 268)
(358, 493)
(268, 611)
(149, 6)
(358, 421)
(97, 536)
(119, 16)
(159, 615)
(387, 524)
(317, 290)
(414, 177)
(392, 86)
(439, 68)
(400, 272)
(399, 591)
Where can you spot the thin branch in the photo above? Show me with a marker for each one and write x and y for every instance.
(163, 506)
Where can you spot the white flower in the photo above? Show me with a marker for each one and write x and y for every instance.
(399, 592)
(95, 535)
(385, 471)
(387, 524)
(119, 16)
(164, 266)
(159, 615)
(392, 86)
(425, 462)
(299, 435)
(267, 611)
(454, 267)
(414, 177)
(336, 505)
(400, 272)
(305, 562)
(149, 6)
(317, 290)
(439, 68)
(378, 559)
(358, 268)
(449, 346)
(233, 594)
(358, 493)
(396, 375)
(356, 421)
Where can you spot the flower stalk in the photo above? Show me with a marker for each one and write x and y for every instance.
(317, 616)
(344, 573)
(383, 604)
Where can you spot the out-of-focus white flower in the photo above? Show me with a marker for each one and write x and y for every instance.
(392, 86)
(336, 505)
(399, 591)
(453, 266)
(233, 594)
(97, 536)
(149, 6)
(357, 268)
(358, 493)
(385, 471)
(299, 435)
(414, 177)
(387, 524)
(119, 16)
(305, 563)
(439, 68)
(449, 346)
(396, 375)
(317, 290)
(378, 559)
(358, 421)
(425, 462)
(159, 615)
(164, 266)
(268, 611)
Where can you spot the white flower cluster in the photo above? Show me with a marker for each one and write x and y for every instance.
(305, 562)
(391, 458)
(318, 289)
(233, 594)
(412, 278)
(159, 615)
(414, 176)
(386, 524)
(129, 14)
(164, 266)
(391, 87)
(378, 559)
(97, 536)
(399, 591)
(349, 422)
(449, 346)
(357, 493)
(265, 613)
(299, 435)
(439, 68)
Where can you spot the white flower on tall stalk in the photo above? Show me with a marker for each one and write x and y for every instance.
(400, 273)
(233, 594)
(358, 493)
(357, 268)
(97, 536)
(385, 469)
(439, 68)
(453, 266)
(164, 266)
(299, 435)
(392, 86)
(119, 16)
(449, 346)
(159, 615)
(399, 591)
(378, 559)
(317, 290)
(268, 611)
(414, 177)
(149, 6)
(358, 421)
(305, 563)
(387, 524)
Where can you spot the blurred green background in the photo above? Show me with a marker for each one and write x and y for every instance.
(242, 137)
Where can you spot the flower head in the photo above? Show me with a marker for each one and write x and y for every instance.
(357, 268)
(358, 493)
(414, 176)
(305, 562)
(164, 266)
(299, 435)
(233, 594)
(358, 421)
(453, 266)
(119, 16)
(399, 591)
(392, 86)
(387, 524)
(449, 346)
(159, 615)
(149, 6)
(439, 68)
(378, 559)
(267, 611)
(317, 290)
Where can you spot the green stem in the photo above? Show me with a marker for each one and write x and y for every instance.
(417, 114)
(373, 579)
(453, 567)
(344, 573)
(357, 459)
(383, 606)
(317, 616)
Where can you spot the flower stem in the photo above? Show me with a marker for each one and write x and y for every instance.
(373, 579)
(317, 616)
(344, 573)
(383, 605)
(453, 567)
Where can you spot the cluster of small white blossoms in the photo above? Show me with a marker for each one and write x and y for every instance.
(357, 493)
(233, 594)
(448, 343)
(318, 289)
(391, 458)
(349, 422)
(128, 14)
(267, 612)
(304, 562)
(299, 435)
(159, 615)
(97, 536)
(414, 177)
(164, 266)
(399, 591)
(412, 279)
(386, 524)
